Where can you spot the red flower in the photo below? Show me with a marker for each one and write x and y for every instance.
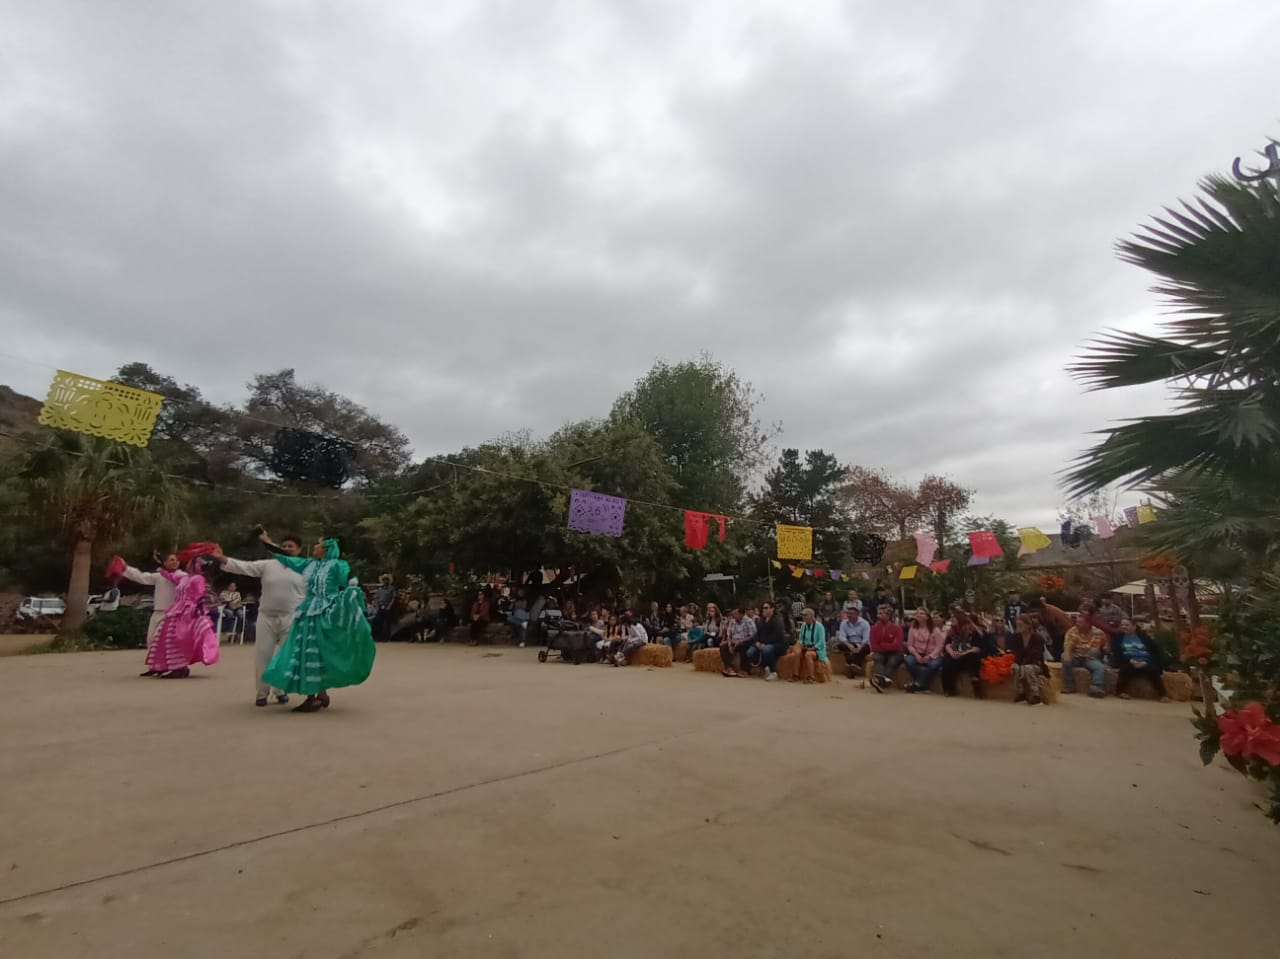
(1250, 734)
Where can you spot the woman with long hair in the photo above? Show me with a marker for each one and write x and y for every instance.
(1028, 648)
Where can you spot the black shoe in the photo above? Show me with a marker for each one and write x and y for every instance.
(260, 701)
(150, 672)
(877, 684)
(282, 700)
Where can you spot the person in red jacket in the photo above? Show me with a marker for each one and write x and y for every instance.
(886, 649)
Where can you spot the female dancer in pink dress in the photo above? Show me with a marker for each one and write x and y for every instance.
(186, 635)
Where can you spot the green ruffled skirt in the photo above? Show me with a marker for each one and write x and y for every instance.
(325, 649)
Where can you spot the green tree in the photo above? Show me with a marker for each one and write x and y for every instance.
(806, 492)
(91, 490)
(703, 417)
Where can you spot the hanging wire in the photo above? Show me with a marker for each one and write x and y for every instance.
(440, 460)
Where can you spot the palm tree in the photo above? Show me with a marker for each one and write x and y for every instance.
(92, 489)
(1216, 456)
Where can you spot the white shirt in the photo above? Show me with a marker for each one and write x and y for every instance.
(639, 633)
(165, 590)
(283, 590)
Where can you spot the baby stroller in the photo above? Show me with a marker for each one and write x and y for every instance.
(573, 643)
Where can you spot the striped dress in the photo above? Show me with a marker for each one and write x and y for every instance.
(186, 635)
(330, 643)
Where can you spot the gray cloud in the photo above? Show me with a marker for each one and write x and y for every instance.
(896, 221)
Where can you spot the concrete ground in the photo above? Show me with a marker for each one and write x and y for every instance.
(472, 802)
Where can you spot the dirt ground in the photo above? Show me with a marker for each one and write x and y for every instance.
(472, 802)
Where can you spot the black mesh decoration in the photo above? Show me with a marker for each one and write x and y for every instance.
(311, 458)
(1073, 535)
(867, 548)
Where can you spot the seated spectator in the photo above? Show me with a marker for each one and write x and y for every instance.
(962, 653)
(634, 636)
(712, 625)
(995, 638)
(924, 643)
(446, 618)
(1138, 655)
(518, 617)
(1028, 648)
(737, 637)
(232, 618)
(669, 626)
(771, 641)
(595, 622)
(611, 641)
(854, 639)
(886, 648)
(1083, 648)
(812, 646)
(653, 622)
(829, 614)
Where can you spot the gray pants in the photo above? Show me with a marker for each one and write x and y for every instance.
(887, 664)
(271, 632)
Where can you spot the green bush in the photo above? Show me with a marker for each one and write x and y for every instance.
(123, 628)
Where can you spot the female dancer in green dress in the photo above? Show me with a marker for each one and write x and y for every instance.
(330, 643)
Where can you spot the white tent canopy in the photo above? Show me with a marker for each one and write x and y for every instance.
(1139, 586)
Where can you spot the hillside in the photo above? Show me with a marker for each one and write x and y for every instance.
(18, 414)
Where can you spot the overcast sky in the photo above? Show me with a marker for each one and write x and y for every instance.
(896, 219)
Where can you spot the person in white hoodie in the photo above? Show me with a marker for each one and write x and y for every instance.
(283, 591)
(164, 593)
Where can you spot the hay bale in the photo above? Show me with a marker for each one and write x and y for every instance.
(681, 652)
(652, 654)
(707, 661)
(788, 665)
(1180, 686)
(1140, 687)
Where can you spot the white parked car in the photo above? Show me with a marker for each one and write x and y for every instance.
(35, 607)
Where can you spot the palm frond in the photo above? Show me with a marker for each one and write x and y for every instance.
(1131, 359)
(1220, 432)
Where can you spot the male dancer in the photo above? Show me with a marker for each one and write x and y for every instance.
(164, 593)
(283, 591)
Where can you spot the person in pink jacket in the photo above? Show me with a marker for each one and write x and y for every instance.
(924, 643)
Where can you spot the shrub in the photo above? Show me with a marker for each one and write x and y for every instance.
(123, 628)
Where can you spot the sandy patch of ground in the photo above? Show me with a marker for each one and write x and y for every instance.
(463, 803)
(11, 644)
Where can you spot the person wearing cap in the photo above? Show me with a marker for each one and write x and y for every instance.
(812, 647)
(854, 639)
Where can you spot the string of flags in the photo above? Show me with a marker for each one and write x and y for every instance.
(125, 414)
